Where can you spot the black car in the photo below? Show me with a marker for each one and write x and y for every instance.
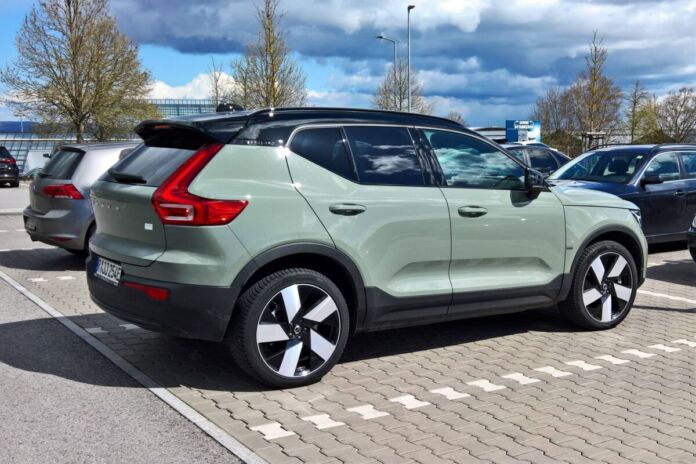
(659, 179)
(538, 156)
(9, 172)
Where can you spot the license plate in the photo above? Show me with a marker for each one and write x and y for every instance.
(108, 271)
(30, 225)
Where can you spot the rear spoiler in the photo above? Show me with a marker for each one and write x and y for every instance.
(185, 134)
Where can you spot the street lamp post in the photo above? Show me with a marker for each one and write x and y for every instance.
(394, 43)
(408, 66)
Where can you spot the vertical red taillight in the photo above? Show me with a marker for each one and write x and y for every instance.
(176, 205)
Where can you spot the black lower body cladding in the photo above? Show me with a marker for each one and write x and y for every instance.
(191, 311)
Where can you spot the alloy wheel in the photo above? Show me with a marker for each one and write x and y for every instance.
(298, 330)
(608, 287)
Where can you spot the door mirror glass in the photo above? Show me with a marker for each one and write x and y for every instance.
(652, 179)
(534, 181)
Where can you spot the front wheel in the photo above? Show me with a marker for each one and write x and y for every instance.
(604, 287)
(290, 328)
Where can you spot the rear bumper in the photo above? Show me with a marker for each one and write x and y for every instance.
(191, 311)
(63, 228)
(9, 176)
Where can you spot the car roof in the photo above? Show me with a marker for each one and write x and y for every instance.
(224, 126)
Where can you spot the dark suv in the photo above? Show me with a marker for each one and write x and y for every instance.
(9, 172)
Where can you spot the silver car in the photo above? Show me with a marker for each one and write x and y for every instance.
(60, 212)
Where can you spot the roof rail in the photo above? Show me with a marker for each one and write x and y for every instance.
(330, 108)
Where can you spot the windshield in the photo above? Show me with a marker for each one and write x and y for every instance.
(601, 166)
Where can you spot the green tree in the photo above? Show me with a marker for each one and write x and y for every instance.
(75, 69)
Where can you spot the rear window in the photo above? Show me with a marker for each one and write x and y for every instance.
(62, 164)
(153, 164)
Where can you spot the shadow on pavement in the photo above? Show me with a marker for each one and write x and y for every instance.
(42, 259)
(682, 272)
(174, 362)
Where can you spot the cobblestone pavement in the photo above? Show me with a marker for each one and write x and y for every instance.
(518, 388)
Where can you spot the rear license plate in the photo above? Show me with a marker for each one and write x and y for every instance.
(30, 224)
(108, 271)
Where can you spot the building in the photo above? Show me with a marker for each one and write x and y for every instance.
(20, 137)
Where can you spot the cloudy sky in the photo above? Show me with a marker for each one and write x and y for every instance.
(488, 59)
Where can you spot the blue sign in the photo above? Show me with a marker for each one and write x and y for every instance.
(522, 131)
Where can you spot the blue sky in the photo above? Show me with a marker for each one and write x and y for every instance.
(488, 59)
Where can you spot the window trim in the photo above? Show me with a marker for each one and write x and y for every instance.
(443, 182)
(679, 165)
(421, 162)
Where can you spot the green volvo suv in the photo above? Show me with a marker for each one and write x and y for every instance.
(284, 231)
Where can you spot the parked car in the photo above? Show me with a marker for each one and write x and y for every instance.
(285, 231)
(9, 173)
(60, 212)
(691, 239)
(538, 156)
(660, 179)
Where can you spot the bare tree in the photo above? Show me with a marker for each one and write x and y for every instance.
(635, 100)
(267, 76)
(555, 111)
(457, 117)
(392, 93)
(676, 114)
(73, 66)
(596, 98)
(216, 80)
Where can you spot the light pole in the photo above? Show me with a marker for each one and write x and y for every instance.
(408, 65)
(394, 42)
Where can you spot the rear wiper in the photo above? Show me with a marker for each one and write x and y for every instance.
(127, 178)
(44, 174)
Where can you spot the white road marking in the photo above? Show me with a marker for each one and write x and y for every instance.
(37, 279)
(553, 372)
(323, 421)
(639, 354)
(129, 326)
(583, 365)
(669, 297)
(450, 393)
(486, 385)
(520, 378)
(65, 278)
(96, 330)
(368, 412)
(665, 348)
(409, 401)
(19, 230)
(272, 431)
(196, 418)
(685, 342)
(612, 359)
(2, 231)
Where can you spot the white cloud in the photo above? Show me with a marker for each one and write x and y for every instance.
(198, 87)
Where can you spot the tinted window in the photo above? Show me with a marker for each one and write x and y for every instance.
(601, 166)
(325, 147)
(471, 163)
(666, 166)
(385, 156)
(153, 164)
(689, 160)
(4, 153)
(62, 164)
(542, 160)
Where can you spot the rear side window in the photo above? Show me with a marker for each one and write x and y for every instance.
(153, 164)
(542, 160)
(62, 164)
(384, 156)
(325, 147)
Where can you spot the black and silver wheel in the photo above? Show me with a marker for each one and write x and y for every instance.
(290, 328)
(604, 286)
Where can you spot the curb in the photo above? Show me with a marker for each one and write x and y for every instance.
(197, 419)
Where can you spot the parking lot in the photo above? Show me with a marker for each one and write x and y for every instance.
(518, 388)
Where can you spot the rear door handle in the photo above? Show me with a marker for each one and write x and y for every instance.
(347, 209)
(472, 211)
(679, 193)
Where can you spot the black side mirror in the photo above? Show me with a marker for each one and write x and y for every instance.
(46, 155)
(534, 181)
(651, 180)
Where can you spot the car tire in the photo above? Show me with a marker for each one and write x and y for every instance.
(14, 184)
(289, 328)
(603, 288)
(693, 253)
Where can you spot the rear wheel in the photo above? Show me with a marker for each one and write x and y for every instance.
(604, 287)
(290, 328)
(693, 253)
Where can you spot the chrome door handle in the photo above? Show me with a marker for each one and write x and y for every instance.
(679, 193)
(347, 209)
(472, 211)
